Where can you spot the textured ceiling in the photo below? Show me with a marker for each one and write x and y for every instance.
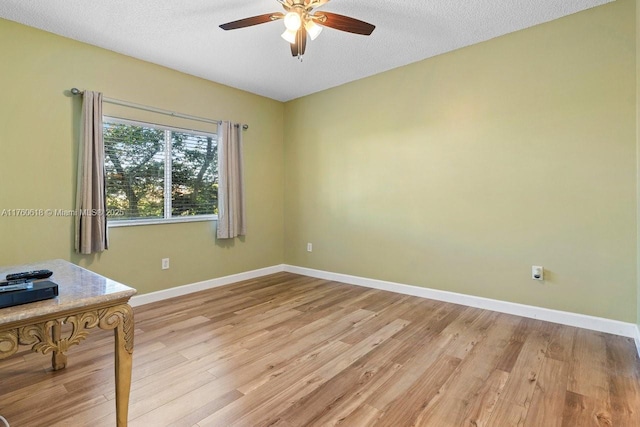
(184, 35)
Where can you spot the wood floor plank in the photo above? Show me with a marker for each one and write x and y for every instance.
(481, 409)
(561, 344)
(287, 390)
(547, 402)
(516, 342)
(451, 407)
(425, 355)
(174, 410)
(585, 411)
(319, 406)
(625, 400)
(363, 415)
(588, 367)
(300, 346)
(286, 350)
(624, 387)
(385, 314)
(514, 406)
(278, 387)
(406, 409)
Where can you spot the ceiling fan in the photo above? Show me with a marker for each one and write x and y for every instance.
(301, 19)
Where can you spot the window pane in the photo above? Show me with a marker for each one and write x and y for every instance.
(194, 175)
(135, 170)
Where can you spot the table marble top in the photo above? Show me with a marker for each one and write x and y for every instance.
(77, 288)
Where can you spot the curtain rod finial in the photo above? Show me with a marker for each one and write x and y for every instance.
(75, 91)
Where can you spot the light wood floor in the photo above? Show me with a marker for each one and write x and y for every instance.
(288, 350)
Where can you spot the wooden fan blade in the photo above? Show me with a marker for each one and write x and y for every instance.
(298, 48)
(254, 20)
(343, 23)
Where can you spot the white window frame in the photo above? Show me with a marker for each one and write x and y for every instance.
(167, 177)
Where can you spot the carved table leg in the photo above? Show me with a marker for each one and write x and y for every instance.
(120, 318)
(123, 378)
(58, 358)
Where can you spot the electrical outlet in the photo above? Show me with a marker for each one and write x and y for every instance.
(165, 263)
(309, 247)
(537, 272)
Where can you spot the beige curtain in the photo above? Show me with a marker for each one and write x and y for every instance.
(231, 206)
(91, 202)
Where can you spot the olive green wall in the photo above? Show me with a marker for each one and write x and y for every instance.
(38, 146)
(462, 171)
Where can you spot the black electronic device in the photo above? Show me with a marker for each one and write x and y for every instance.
(16, 285)
(29, 275)
(43, 290)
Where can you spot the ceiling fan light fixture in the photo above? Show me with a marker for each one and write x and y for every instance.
(292, 21)
(300, 21)
(313, 29)
(289, 35)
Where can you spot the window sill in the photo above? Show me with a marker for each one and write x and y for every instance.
(136, 222)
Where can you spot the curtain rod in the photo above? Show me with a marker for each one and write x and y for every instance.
(76, 91)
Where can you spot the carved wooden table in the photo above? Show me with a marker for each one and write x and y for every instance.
(85, 300)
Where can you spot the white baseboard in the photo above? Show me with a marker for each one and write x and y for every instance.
(138, 300)
(562, 317)
(555, 316)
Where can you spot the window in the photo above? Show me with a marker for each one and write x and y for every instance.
(159, 174)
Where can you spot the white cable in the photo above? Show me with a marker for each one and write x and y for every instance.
(5, 422)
